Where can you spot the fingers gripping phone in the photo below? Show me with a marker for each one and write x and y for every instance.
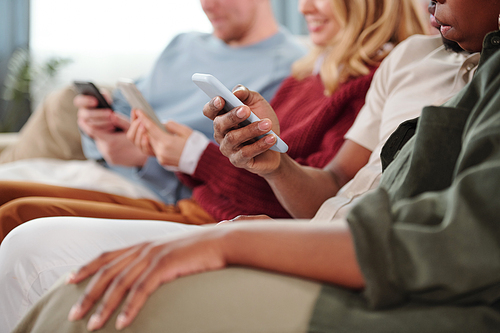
(137, 101)
(213, 87)
(89, 89)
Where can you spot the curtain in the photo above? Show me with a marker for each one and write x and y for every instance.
(14, 33)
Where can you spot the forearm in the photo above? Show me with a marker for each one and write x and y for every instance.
(323, 252)
(300, 189)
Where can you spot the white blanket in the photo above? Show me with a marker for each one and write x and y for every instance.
(87, 175)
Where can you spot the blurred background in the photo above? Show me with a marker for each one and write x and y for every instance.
(46, 44)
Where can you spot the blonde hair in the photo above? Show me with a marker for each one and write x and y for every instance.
(366, 26)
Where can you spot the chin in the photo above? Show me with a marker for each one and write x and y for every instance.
(227, 36)
(222, 36)
(318, 41)
(470, 47)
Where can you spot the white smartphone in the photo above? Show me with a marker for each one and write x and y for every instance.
(213, 87)
(137, 100)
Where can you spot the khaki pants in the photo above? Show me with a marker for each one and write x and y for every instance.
(233, 300)
(50, 132)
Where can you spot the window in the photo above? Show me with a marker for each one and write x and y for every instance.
(287, 13)
(108, 39)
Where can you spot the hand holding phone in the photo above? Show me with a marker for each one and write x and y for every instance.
(89, 89)
(213, 88)
(137, 101)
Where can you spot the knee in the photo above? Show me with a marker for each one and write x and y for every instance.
(18, 244)
(37, 236)
(62, 99)
(16, 212)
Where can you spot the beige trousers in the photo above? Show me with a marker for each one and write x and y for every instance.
(233, 300)
(50, 132)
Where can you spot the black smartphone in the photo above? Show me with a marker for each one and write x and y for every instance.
(88, 88)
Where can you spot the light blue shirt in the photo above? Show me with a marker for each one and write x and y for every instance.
(170, 91)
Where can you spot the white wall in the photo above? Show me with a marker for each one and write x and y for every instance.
(108, 39)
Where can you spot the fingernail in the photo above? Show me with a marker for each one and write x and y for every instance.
(70, 278)
(265, 125)
(270, 139)
(238, 87)
(94, 322)
(217, 102)
(121, 321)
(240, 113)
(74, 313)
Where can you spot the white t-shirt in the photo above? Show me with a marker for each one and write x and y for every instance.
(417, 73)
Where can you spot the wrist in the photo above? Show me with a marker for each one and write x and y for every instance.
(229, 242)
(141, 162)
(220, 241)
(194, 148)
(279, 171)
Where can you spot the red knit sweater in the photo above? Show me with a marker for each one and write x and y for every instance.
(312, 124)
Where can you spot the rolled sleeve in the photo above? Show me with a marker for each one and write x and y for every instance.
(191, 154)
